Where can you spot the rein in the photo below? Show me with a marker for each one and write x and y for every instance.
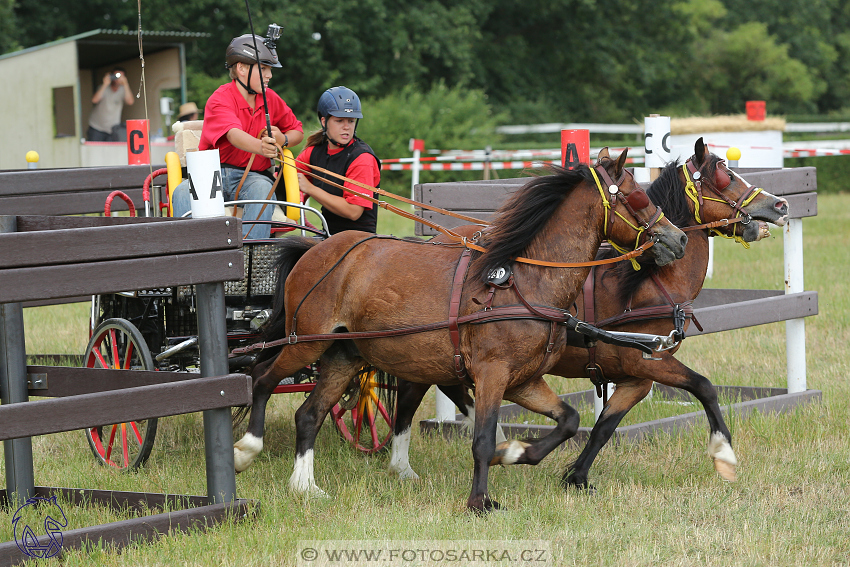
(471, 243)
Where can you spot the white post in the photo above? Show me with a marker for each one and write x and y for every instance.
(795, 329)
(416, 146)
(710, 270)
(445, 407)
(597, 401)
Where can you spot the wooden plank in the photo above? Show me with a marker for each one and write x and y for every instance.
(42, 181)
(139, 502)
(458, 197)
(65, 381)
(33, 223)
(781, 403)
(72, 280)
(130, 404)
(109, 243)
(447, 221)
(709, 297)
(65, 203)
(145, 528)
(755, 312)
(782, 182)
(802, 205)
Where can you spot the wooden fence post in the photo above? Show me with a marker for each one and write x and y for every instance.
(218, 428)
(20, 478)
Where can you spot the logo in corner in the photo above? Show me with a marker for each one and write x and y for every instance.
(40, 512)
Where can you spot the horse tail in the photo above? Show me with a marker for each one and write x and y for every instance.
(291, 250)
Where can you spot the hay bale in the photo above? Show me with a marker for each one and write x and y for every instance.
(726, 123)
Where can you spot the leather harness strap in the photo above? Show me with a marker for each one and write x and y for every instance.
(592, 369)
(454, 307)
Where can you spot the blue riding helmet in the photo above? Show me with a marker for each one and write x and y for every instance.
(339, 101)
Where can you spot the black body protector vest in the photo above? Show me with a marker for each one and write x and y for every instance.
(339, 163)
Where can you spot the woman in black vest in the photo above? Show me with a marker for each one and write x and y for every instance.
(336, 148)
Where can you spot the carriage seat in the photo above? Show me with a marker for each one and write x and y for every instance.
(187, 138)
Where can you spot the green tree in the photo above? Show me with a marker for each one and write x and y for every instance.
(748, 64)
(8, 29)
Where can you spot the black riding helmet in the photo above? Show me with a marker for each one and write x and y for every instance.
(241, 50)
(341, 102)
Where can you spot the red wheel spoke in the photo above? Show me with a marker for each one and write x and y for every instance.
(98, 358)
(136, 431)
(383, 411)
(372, 428)
(124, 447)
(111, 441)
(116, 361)
(128, 356)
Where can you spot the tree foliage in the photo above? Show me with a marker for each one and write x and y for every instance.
(534, 61)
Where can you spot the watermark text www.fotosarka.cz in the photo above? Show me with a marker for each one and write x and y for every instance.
(415, 553)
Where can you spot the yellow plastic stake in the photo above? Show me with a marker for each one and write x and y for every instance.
(175, 176)
(290, 182)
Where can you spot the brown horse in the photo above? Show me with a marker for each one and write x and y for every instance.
(642, 301)
(359, 283)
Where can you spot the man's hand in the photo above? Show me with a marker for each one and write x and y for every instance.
(269, 149)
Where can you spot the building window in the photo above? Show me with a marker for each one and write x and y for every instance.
(64, 124)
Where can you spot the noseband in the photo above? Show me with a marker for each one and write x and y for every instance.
(635, 201)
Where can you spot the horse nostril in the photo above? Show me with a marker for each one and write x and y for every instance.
(684, 240)
(781, 205)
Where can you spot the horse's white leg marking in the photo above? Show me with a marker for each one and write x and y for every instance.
(400, 460)
(721, 451)
(245, 451)
(302, 476)
(509, 452)
(469, 425)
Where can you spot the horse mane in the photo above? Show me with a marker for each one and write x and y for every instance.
(521, 218)
(668, 193)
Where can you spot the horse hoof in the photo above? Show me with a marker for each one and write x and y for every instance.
(484, 508)
(726, 471)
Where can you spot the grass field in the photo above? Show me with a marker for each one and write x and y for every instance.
(658, 502)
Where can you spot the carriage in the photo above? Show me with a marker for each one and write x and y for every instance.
(156, 329)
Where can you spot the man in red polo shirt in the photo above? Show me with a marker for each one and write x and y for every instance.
(234, 117)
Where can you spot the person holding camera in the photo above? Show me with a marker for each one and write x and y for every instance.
(105, 120)
(336, 148)
(235, 124)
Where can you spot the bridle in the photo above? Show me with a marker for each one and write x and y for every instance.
(722, 179)
(635, 201)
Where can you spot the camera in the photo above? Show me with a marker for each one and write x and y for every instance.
(116, 76)
(272, 35)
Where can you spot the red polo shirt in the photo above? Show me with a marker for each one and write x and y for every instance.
(227, 109)
(363, 169)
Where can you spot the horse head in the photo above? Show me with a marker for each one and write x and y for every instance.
(716, 192)
(640, 219)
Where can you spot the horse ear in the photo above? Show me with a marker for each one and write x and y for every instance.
(621, 163)
(603, 153)
(699, 151)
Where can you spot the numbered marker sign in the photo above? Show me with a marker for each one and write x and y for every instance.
(204, 170)
(575, 147)
(657, 140)
(138, 145)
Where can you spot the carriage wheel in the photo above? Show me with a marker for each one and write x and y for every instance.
(366, 415)
(117, 344)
